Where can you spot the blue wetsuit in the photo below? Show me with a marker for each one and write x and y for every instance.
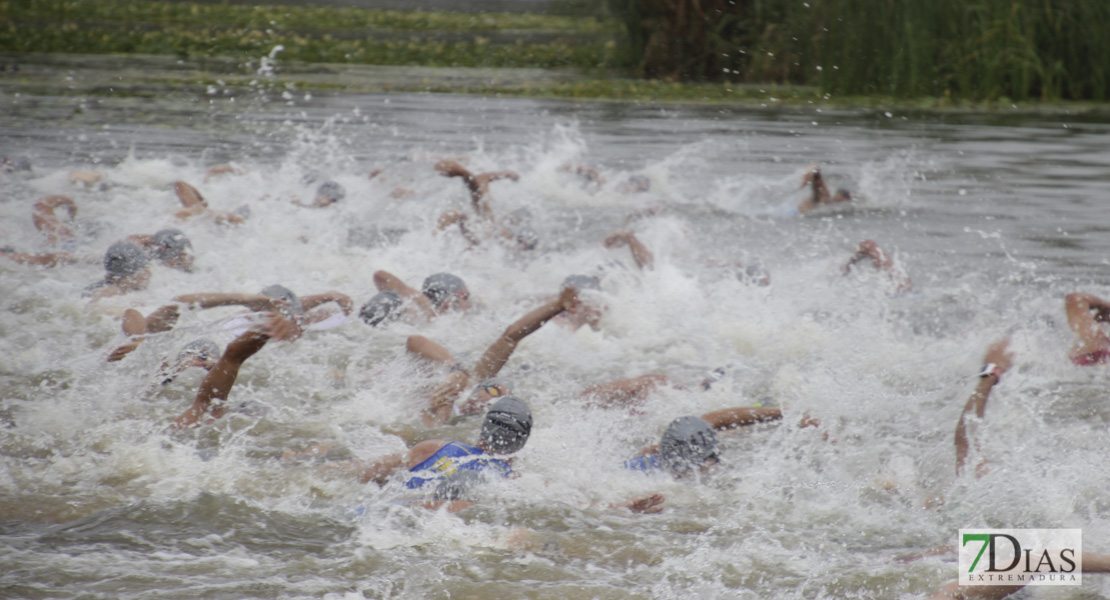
(647, 464)
(452, 457)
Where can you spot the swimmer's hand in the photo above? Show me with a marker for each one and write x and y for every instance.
(647, 505)
(450, 168)
(281, 327)
(568, 298)
(812, 174)
(616, 239)
(123, 350)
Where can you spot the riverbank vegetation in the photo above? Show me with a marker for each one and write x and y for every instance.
(984, 50)
(944, 52)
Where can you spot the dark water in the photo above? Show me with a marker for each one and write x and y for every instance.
(994, 217)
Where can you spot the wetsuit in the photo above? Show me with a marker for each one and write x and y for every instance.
(452, 457)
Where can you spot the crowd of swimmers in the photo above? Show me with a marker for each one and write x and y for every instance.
(445, 473)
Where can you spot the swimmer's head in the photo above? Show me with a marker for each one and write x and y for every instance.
(842, 195)
(330, 192)
(173, 248)
(123, 259)
(280, 292)
(507, 425)
(754, 275)
(527, 238)
(636, 184)
(687, 443)
(581, 282)
(383, 307)
(446, 291)
(203, 351)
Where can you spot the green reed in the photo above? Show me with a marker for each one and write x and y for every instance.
(981, 49)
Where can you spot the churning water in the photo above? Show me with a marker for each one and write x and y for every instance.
(994, 218)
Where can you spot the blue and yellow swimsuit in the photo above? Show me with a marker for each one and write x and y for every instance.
(452, 457)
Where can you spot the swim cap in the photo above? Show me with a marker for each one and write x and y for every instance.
(281, 292)
(687, 443)
(637, 183)
(754, 275)
(440, 287)
(843, 193)
(169, 244)
(507, 425)
(202, 348)
(581, 282)
(458, 485)
(123, 259)
(382, 307)
(527, 238)
(333, 191)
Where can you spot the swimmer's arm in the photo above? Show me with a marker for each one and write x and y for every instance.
(131, 283)
(343, 300)
(442, 402)
(46, 221)
(731, 418)
(454, 217)
(49, 259)
(217, 384)
(998, 355)
(646, 504)
(134, 324)
(425, 348)
(384, 280)
(189, 196)
(624, 391)
(499, 352)
(255, 302)
(643, 257)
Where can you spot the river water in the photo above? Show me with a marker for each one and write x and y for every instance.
(994, 217)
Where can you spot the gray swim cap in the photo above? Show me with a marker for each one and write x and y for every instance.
(202, 348)
(507, 425)
(581, 282)
(123, 259)
(382, 307)
(754, 275)
(440, 287)
(331, 190)
(281, 292)
(687, 443)
(638, 183)
(169, 244)
(527, 238)
(458, 485)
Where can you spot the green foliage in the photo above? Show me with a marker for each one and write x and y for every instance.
(980, 49)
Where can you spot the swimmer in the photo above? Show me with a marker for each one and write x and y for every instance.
(690, 443)
(383, 307)
(48, 222)
(1085, 313)
(168, 246)
(125, 266)
(483, 378)
(643, 257)
(819, 195)
(477, 184)
(211, 399)
(439, 294)
(520, 238)
(327, 194)
(869, 250)
(272, 299)
(195, 204)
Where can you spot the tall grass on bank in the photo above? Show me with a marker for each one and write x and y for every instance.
(978, 49)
